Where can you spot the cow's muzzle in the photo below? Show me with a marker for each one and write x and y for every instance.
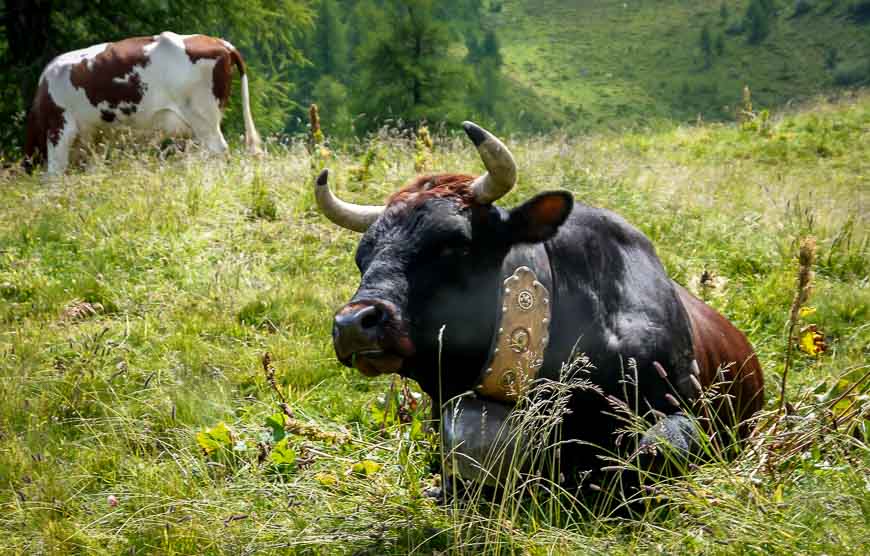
(367, 335)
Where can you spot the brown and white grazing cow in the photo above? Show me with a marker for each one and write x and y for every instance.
(178, 84)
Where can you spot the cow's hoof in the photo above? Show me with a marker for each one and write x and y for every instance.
(436, 493)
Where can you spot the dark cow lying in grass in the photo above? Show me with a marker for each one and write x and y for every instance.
(462, 295)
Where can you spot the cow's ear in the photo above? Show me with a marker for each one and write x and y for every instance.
(539, 218)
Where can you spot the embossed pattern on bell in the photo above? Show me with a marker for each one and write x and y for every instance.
(520, 340)
(526, 300)
(508, 379)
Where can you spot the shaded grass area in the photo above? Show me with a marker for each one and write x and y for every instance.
(138, 297)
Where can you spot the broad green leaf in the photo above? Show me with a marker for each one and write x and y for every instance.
(366, 467)
(283, 455)
(326, 479)
(216, 438)
(276, 423)
(778, 494)
(417, 432)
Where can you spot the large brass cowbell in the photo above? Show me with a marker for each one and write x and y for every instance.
(521, 337)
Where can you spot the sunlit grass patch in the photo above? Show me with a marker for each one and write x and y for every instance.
(138, 297)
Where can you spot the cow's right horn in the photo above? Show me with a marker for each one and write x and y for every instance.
(347, 215)
(501, 168)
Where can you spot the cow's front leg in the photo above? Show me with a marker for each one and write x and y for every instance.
(215, 142)
(59, 147)
(204, 118)
(673, 442)
(209, 136)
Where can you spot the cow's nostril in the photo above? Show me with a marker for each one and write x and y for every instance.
(371, 319)
(364, 320)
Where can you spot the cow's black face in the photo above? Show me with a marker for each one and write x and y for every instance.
(429, 262)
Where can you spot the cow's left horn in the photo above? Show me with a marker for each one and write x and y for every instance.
(347, 215)
(501, 168)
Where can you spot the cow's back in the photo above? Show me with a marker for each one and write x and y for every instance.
(185, 67)
(132, 80)
(615, 301)
(93, 82)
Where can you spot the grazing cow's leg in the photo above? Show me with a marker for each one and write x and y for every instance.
(667, 447)
(208, 134)
(216, 142)
(59, 152)
(204, 115)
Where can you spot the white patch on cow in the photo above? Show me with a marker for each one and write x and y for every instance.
(148, 48)
(76, 56)
(168, 121)
(58, 155)
(227, 44)
(177, 98)
(173, 38)
(124, 80)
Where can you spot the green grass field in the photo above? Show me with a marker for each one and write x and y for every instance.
(138, 297)
(610, 64)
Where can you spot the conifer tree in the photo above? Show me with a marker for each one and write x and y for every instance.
(330, 54)
(757, 20)
(487, 83)
(720, 44)
(706, 43)
(325, 78)
(405, 65)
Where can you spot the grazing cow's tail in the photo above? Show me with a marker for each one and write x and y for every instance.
(252, 138)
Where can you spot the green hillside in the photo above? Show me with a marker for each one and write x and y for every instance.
(595, 63)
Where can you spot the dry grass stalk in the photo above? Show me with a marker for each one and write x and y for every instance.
(423, 150)
(806, 258)
(745, 113)
(311, 432)
(269, 369)
(315, 133)
(79, 309)
(291, 423)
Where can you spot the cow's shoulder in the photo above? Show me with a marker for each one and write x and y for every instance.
(608, 269)
(603, 237)
(115, 57)
(108, 75)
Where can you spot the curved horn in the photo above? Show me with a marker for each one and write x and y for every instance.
(347, 215)
(501, 168)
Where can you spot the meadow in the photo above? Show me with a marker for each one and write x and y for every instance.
(594, 64)
(139, 296)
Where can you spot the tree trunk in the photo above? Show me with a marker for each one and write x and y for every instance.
(28, 25)
(418, 55)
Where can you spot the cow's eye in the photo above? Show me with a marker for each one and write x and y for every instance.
(453, 249)
(361, 262)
